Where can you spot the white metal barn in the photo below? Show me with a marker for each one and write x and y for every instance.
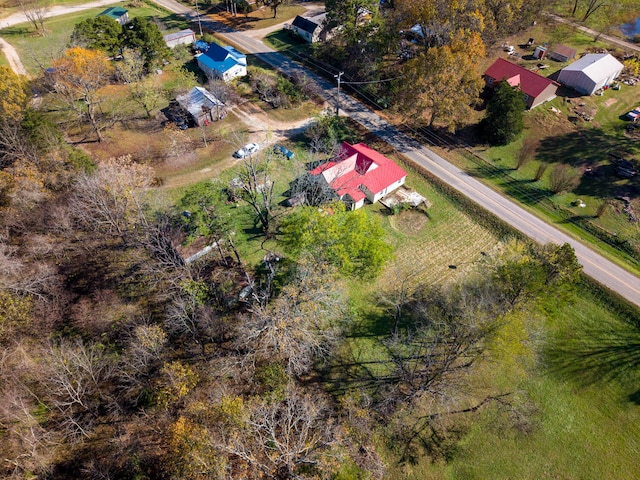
(591, 72)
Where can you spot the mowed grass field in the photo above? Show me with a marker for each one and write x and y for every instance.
(585, 421)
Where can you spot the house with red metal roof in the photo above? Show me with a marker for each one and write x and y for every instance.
(360, 173)
(536, 88)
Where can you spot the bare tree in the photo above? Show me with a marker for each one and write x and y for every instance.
(223, 92)
(257, 188)
(563, 178)
(74, 378)
(22, 278)
(298, 327)
(111, 199)
(36, 12)
(592, 7)
(13, 144)
(145, 346)
(281, 438)
(26, 446)
(145, 92)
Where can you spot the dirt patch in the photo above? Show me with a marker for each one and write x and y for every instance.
(409, 222)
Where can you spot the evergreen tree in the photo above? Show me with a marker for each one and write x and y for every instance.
(504, 120)
(144, 36)
(98, 33)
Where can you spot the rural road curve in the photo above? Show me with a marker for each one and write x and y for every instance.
(599, 268)
(18, 18)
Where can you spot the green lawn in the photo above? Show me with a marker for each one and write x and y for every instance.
(260, 18)
(287, 41)
(38, 51)
(582, 429)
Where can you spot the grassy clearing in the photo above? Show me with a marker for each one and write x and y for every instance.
(581, 430)
(287, 41)
(257, 19)
(37, 51)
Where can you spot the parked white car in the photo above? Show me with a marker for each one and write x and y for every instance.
(248, 149)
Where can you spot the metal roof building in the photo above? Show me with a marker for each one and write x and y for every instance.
(591, 72)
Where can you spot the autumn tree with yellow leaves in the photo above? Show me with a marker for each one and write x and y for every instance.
(78, 76)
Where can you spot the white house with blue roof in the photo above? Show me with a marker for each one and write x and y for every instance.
(222, 62)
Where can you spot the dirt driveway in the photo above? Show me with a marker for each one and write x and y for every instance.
(12, 57)
(261, 129)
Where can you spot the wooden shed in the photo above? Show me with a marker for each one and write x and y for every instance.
(562, 53)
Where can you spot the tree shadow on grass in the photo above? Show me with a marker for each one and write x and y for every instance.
(596, 151)
(175, 21)
(488, 171)
(15, 31)
(528, 192)
(373, 322)
(595, 355)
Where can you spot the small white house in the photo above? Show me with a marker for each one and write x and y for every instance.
(222, 62)
(183, 37)
(306, 28)
(591, 73)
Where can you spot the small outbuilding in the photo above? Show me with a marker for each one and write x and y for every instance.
(183, 37)
(119, 14)
(562, 53)
(202, 105)
(535, 88)
(540, 52)
(591, 73)
(222, 62)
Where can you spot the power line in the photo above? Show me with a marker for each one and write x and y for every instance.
(373, 81)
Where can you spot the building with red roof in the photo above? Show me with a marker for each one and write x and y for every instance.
(536, 88)
(360, 173)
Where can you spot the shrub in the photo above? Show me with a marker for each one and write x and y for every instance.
(276, 90)
(540, 171)
(527, 152)
(632, 66)
(329, 131)
(563, 178)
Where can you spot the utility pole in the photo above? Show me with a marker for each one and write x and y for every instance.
(339, 77)
(199, 22)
